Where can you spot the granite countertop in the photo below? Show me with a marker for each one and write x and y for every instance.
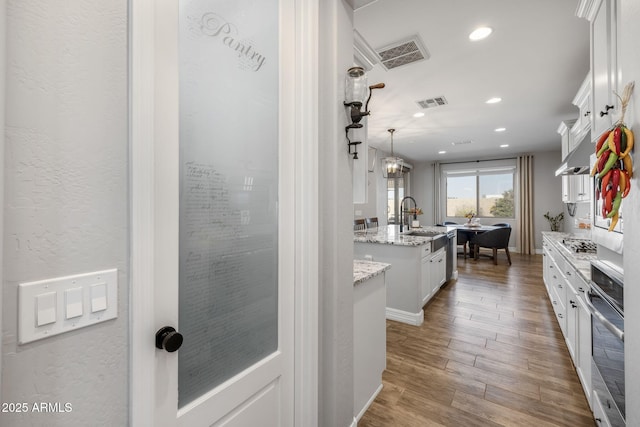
(365, 270)
(580, 261)
(390, 235)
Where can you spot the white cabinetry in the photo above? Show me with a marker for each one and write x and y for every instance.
(575, 188)
(604, 64)
(579, 328)
(411, 281)
(433, 274)
(567, 292)
(582, 125)
(437, 270)
(565, 137)
(599, 415)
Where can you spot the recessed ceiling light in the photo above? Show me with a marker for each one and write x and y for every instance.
(494, 100)
(419, 114)
(500, 129)
(504, 145)
(442, 152)
(480, 33)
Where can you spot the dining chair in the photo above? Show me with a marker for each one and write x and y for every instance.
(462, 239)
(359, 224)
(450, 223)
(372, 222)
(493, 239)
(502, 224)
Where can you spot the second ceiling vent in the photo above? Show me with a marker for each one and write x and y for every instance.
(403, 52)
(437, 101)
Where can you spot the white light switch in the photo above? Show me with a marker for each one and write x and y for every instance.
(54, 306)
(73, 303)
(46, 308)
(98, 297)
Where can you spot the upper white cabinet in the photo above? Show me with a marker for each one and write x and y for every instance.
(604, 63)
(575, 188)
(582, 125)
(566, 139)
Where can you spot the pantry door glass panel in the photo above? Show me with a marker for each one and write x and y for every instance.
(228, 227)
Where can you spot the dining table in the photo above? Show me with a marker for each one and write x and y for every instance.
(472, 230)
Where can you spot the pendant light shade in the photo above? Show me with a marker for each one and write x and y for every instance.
(392, 166)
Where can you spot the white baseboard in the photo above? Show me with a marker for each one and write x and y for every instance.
(415, 319)
(366, 406)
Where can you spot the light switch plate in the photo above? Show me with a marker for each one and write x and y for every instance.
(73, 299)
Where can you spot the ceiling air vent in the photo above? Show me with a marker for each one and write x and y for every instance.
(438, 101)
(402, 53)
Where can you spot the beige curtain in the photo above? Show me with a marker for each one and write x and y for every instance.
(525, 241)
(437, 211)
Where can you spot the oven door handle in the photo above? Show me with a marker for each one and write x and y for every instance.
(610, 326)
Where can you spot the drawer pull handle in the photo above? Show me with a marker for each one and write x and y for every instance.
(606, 110)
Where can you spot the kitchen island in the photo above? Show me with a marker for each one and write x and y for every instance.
(369, 332)
(417, 273)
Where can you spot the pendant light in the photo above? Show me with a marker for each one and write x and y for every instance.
(392, 165)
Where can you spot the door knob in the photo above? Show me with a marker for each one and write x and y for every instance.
(167, 338)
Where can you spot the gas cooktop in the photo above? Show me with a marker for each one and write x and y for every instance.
(579, 245)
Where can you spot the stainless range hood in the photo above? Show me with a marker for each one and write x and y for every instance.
(577, 162)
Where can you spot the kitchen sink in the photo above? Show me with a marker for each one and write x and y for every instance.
(425, 233)
(440, 239)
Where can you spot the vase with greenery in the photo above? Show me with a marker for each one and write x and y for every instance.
(554, 221)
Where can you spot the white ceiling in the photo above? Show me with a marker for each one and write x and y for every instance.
(535, 60)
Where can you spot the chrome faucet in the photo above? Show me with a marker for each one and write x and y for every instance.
(415, 216)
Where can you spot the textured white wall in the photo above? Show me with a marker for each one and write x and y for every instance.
(66, 206)
(629, 61)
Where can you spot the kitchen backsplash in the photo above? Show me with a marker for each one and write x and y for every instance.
(572, 223)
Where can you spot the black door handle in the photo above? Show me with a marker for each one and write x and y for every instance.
(167, 338)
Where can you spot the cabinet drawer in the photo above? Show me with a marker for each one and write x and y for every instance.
(425, 250)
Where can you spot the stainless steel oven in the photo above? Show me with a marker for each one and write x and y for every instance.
(606, 303)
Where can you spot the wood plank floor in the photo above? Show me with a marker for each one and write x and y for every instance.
(489, 353)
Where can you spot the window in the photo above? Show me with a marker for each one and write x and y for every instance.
(396, 189)
(487, 193)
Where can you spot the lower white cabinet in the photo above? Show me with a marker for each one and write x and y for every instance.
(599, 415)
(433, 274)
(567, 293)
(571, 335)
(581, 331)
(416, 275)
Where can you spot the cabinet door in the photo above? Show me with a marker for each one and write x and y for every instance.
(425, 279)
(438, 271)
(603, 66)
(566, 189)
(546, 276)
(571, 336)
(583, 348)
(582, 188)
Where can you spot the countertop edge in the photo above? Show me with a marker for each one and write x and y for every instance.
(364, 270)
(583, 267)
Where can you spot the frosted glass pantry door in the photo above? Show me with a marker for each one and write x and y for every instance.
(234, 262)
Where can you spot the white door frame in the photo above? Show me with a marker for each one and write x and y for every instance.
(3, 102)
(143, 105)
